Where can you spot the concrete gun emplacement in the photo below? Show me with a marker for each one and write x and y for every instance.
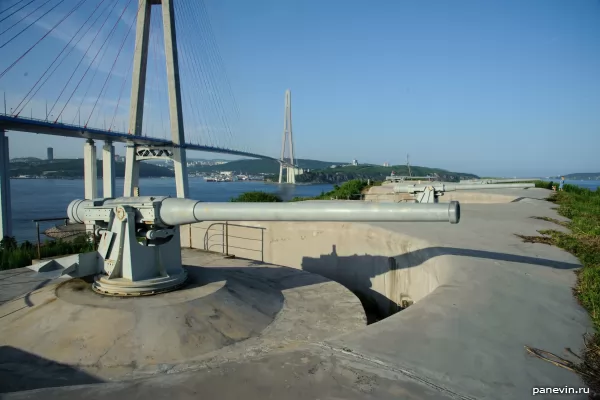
(430, 193)
(126, 267)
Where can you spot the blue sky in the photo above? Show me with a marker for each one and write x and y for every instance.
(489, 87)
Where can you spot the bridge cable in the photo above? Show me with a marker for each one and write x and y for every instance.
(54, 61)
(211, 87)
(92, 62)
(121, 94)
(37, 42)
(201, 77)
(63, 60)
(195, 81)
(31, 24)
(219, 61)
(114, 63)
(16, 11)
(205, 25)
(104, 50)
(80, 61)
(11, 6)
(197, 76)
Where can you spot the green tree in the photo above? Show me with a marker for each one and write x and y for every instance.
(257, 197)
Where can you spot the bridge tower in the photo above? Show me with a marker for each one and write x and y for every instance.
(289, 166)
(135, 153)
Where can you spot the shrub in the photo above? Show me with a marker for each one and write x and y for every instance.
(257, 197)
(13, 255)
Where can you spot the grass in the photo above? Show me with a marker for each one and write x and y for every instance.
(351, 190)
(13, 255)
(582, 207)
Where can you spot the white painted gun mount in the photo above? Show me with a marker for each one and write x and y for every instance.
(140, 249)
(430, 193)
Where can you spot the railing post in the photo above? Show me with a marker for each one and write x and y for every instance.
(190, 233)
(262, 245)
(39, 249)
(94, 238)
(223, 239)
(226, 238)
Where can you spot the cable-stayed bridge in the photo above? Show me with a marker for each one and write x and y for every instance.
(147, 73)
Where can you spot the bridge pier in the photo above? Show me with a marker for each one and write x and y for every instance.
(108, 170)
(5, 206)
(136, 116)
(175, 107)
(90, 173)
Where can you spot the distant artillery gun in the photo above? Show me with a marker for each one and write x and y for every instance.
(430, 193)
(125, 267)
(496, 181)
(403, 178)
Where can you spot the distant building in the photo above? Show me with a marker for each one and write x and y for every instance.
(354, 162)
(386, 164)
(119, 158)
(50, 154)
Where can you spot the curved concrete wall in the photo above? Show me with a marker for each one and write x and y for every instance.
(381, 266)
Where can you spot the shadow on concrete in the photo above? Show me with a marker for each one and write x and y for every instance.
(20, 370)
(356, 272)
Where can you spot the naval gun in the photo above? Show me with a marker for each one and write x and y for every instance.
(430, 193)
(496, 181)
(125, 267)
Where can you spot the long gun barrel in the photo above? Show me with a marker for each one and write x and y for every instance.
(452, 187)
(167, 211)
(492, 181)
(132, 269)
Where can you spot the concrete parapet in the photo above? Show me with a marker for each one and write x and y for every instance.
(371, 261)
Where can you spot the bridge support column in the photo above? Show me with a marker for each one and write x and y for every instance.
(5, 205)
(281, 172)
(138, 90)
(175, 108)
(90, 173)
(108, 170)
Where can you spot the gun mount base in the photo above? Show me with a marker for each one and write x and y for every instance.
(127, 288)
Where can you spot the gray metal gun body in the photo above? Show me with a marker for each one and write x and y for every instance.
(430, 193)
(127, 267)
(495, 181)
(405, 178)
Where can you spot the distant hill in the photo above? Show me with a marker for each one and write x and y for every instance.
(343, 174)
(584, 176)
(25, 159)
(68, 168)
(259, 166)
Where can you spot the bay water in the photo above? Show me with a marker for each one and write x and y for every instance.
(49, 198)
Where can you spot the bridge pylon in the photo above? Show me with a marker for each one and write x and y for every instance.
(135, 153)
(289, 166)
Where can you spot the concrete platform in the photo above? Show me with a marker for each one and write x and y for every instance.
(57, 331)
(480, 294)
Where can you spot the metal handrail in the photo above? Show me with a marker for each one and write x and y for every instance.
(37, 227)
(225, 238)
